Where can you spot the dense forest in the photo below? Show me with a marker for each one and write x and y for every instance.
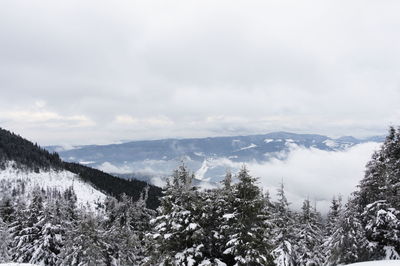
(236, 224)
(30, 156)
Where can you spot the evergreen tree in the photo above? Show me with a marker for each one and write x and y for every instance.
(333, 216)
(348, 244)
(382, 227)
(26, 229)
(309, 237)
(284, 253)
(247, 244)
(4, 242)
(178, 233)
(224, 214)
(51, 236)
(84, 244)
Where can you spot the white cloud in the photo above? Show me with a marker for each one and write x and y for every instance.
(316, 174)
(159, 121)
(110, 168)
(207, 68)
(46, 118)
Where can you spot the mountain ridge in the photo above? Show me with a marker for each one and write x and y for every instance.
(147, 158)
(30, 157)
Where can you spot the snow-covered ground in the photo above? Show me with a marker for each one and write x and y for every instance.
(377, 263)
(50, 179)
(16, 264)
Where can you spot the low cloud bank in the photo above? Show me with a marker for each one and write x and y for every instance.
(307, 173)
(316, 174)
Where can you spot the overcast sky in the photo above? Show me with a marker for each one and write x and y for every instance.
(80, 72)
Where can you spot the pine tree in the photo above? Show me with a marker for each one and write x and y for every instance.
(348, 244)
(4, 242)
(309, 237)
(247, 244)
(378, 198)
(51, 236)
(333, 216)
(84, 244)
(178, 234)
(26, 229)
(224, 214)
(284, 253)
(382, 225)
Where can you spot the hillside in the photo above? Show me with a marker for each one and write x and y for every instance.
(22, 159)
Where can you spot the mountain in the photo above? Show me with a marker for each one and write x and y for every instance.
(209, 157)
(23, 160)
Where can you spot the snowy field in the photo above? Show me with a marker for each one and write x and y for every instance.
(61, 180)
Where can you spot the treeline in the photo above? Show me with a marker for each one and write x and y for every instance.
(25, 154)
(236, 224)
(116, 186)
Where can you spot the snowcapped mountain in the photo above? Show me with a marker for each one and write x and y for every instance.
(208, 157)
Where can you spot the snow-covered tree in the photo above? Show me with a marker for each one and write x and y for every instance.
(284, 251)
(4, 242)
(247, 244)
(84, 244)
(309, 237)
(333, 215)
(178, 234)
(26, 229)
(348, 243)
(382, 230)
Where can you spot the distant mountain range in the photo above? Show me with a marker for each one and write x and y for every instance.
(208, 157)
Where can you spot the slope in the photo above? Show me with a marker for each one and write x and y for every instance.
(21, 159)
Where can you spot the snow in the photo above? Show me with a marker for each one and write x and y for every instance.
(192, 226)
(228, 216)
(203, 170)
(252, 145)
(330, 143)
(377, 263)
(200, 154)
(16, 264)
(87, 162)
(62, 180)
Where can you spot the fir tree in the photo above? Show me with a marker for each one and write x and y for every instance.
(348, 244)
(309, 237)
(382, 226)
(284, 253)
(177, 231)
(84, 244)
(26, 229)
(247, 244)
(4, 242)
(333, 216)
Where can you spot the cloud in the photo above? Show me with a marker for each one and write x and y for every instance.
(315, 174)
(197, 69)
(46, 118)
(159, 121)
(110, 168)
(306, 172)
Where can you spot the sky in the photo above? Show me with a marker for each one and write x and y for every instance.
(96, 72)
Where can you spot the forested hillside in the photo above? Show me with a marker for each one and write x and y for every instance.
(28, 156)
